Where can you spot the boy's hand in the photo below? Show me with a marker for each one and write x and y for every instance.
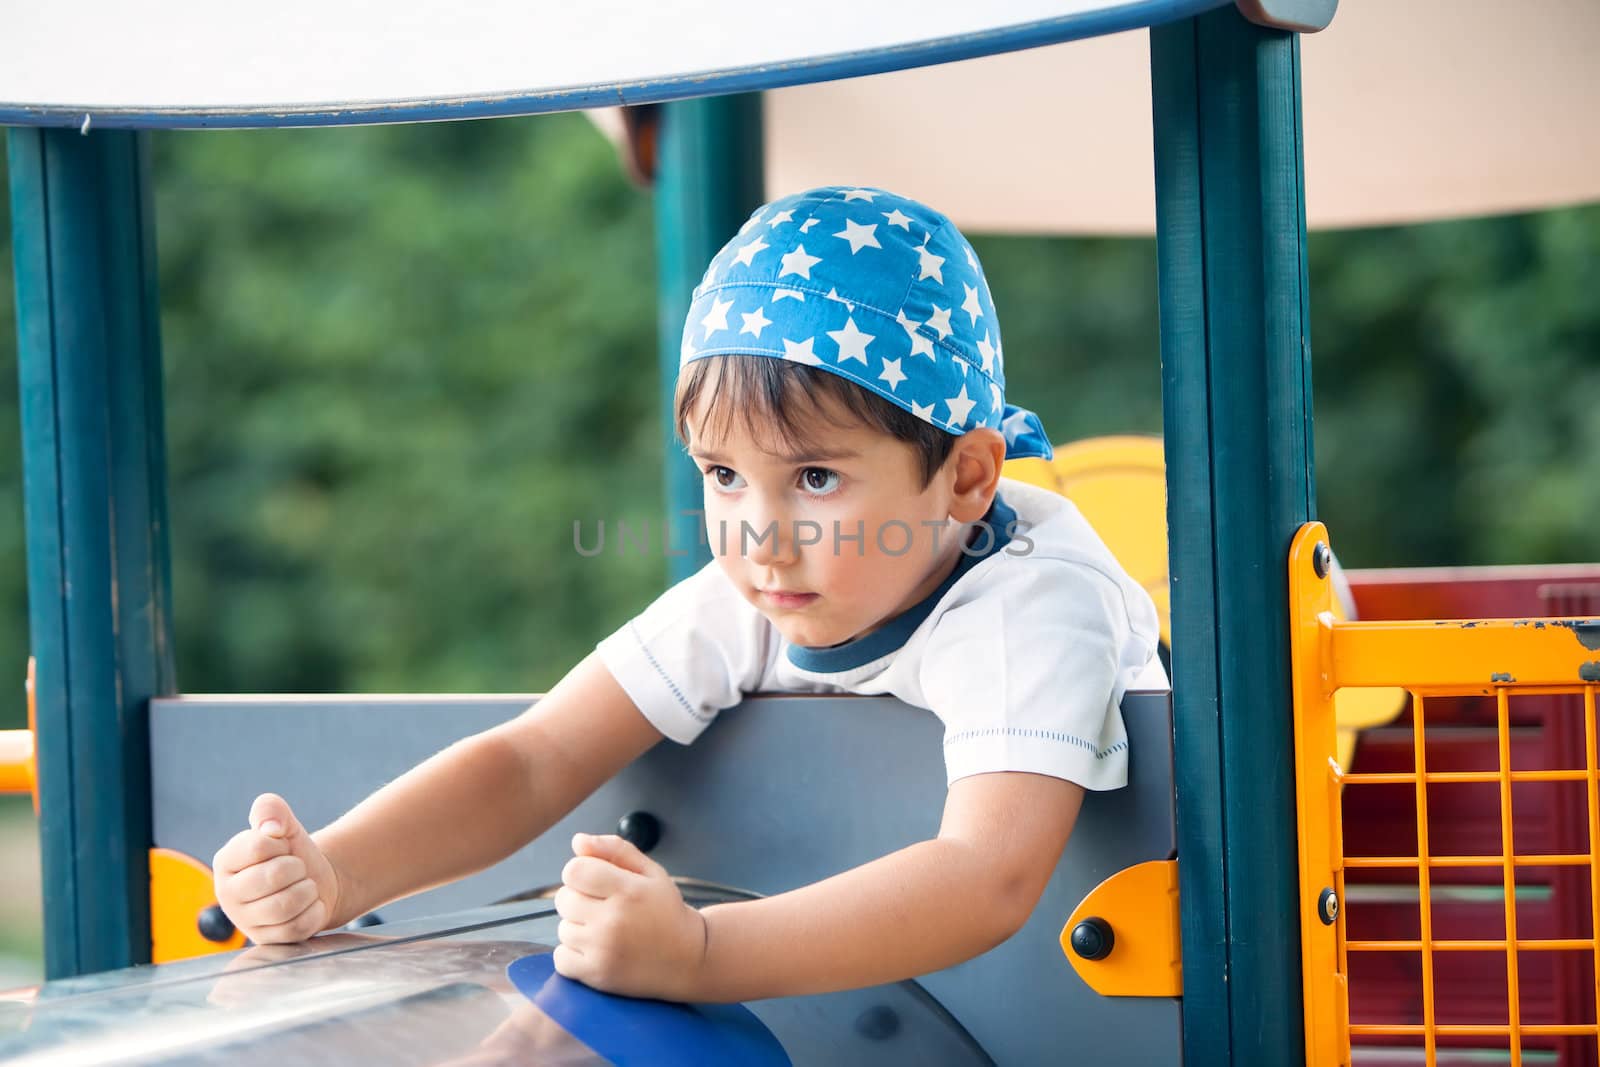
(272, 880)
(624, 926)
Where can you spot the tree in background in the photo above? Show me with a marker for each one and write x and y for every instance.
(401, 361)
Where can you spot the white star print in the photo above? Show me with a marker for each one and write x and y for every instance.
(781, 216)
(833, 294)
(747, 253)
(920, 345)
(754, 322)
(801, 353)
(1015, 425)
(799, 262)
(858, 194)
(858, 235)
(940, 320)
(921, 412)
(986, 350)
(717, 318)
(898, 218)
(852, 342)
(806, 225)
(892, 373)
(994, 395)
(930, 264)
(973, 309)
(788, 294)
(960, 408)
(971, 260)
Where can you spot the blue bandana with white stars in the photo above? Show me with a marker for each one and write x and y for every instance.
(875, 288)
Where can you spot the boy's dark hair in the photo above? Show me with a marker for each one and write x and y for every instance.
(770, 395)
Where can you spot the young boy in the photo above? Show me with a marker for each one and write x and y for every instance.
(842, 388)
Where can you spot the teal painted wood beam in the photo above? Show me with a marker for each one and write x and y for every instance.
(89, 364)
(1236, 381)
(708, 180)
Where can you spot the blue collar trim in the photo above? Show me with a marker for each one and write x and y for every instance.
(892, 635)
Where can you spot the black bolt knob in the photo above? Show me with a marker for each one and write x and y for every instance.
(640, 829)
(878, 1023)
(1092, 939)
(214, 924)
(1328, 906)
(1322, 559)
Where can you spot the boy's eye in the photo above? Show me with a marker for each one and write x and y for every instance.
(724, 478)
(819, 480)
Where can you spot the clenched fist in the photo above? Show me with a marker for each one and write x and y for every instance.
(624, 925)
(272, 880)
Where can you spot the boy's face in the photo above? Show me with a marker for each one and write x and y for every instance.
(829, 544)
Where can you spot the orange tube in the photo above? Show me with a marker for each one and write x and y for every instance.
(16, 761)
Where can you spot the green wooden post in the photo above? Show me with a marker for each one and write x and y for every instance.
(94, 468)
(708, 180)
(1236, 378)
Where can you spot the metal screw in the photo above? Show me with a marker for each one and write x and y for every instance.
(878, 1023)
(641, 829)
(1322, 559)
(1092, 939)
(214, 924)
(1328, 907)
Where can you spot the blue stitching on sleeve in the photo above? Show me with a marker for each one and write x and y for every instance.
(1047, 735)
(670, 684)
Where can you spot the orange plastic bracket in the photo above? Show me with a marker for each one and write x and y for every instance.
(19, 761)
(1140, 905)
(180, 889)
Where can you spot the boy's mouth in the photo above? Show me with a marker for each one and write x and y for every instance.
(784, 599)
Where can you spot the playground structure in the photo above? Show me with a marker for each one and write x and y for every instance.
(1271, 971)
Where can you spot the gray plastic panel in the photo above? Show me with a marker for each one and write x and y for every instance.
(782, 791)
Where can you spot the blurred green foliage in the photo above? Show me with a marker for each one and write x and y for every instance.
(401, 361)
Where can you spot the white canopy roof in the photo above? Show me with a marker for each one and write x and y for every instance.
(315, 62)
(1416, 110)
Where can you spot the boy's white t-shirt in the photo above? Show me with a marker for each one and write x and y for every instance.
(1024, 654)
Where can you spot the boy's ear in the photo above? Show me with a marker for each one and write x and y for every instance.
(975, 464)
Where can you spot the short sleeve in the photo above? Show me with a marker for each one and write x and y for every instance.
(1028, 675)
(696, 650)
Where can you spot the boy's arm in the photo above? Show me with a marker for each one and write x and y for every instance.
(920, 909)
(917, 910)
(485, 796)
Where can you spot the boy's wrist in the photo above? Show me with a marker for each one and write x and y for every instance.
(689, 981)
(709, 978)
(346, 905)
(701, 970)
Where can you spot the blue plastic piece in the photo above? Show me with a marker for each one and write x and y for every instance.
(627, 1031)
(1236, 383)
(708, 181)
(1113, 17)
(94, 482)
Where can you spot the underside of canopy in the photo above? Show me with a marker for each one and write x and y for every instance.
(1412, 111)
(195, 63)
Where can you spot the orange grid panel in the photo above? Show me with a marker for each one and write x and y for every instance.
(1493, 659)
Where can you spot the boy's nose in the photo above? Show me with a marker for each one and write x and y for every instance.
(767, 538)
